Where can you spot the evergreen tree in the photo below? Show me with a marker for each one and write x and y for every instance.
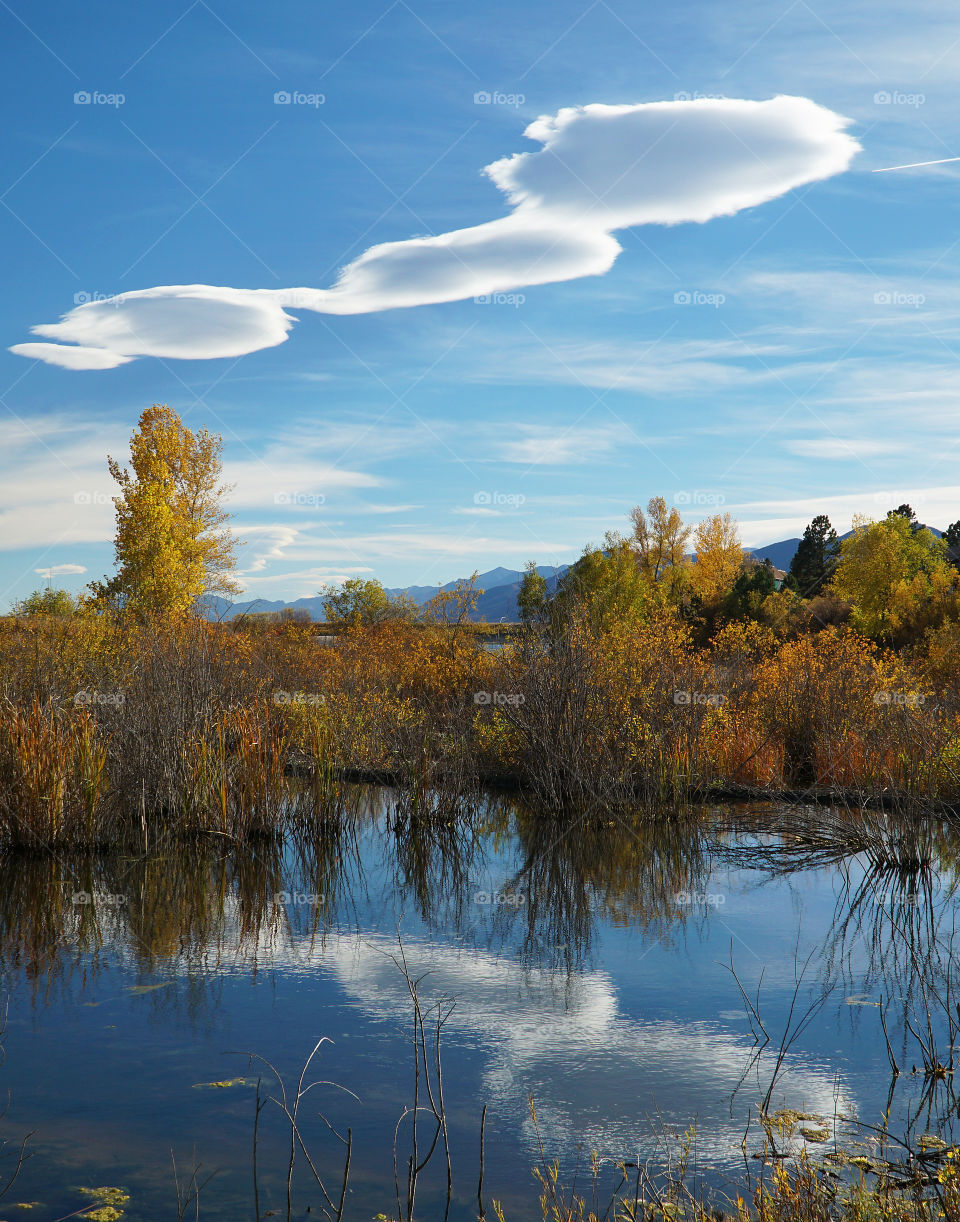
(816, 557)
(952, 536)
(755, 583)
(906, 511)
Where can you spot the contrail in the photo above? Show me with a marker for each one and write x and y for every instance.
(914, 165)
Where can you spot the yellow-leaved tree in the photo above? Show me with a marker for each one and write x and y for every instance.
(719, 553)
(171, 544)
(897, 576)
(659, 541)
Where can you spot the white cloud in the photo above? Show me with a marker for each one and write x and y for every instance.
(70, 357)
(767, 521)
(304, 583)
(185, 321)
(289, 481)
(600, 168)
(664, 163)
(585, 1027)
(56, 489)
(61, 570)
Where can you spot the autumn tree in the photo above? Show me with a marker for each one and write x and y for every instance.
(660, 539)
(719, 557)
(171, 545)
(816, 557)
(898, 578)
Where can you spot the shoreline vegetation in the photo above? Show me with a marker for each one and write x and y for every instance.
(649, 675)
(113, 730)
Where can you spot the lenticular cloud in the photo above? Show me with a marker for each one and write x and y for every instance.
(600, 168)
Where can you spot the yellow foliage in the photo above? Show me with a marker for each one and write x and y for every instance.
(719, 552)
(170, 544)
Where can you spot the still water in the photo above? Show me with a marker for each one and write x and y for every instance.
(590, 966)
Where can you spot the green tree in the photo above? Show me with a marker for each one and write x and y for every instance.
(816, 557)
(532, 595)
(356, 602)
(607, 582)
(755, 583)
(171, 545)
(47, 602)
(898, 579)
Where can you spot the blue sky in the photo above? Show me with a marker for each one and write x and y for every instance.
(795, 353)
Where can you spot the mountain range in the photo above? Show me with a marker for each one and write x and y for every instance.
(500, 588)
(497, 602)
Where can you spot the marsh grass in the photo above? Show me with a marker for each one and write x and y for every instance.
(115, 732)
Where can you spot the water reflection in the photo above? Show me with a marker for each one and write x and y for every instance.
(580, 952)
(541, 885)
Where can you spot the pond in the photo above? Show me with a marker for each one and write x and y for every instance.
(597, 966)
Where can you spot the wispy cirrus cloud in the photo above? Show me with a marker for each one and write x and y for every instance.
(550, 445)
(600, 168)
(842, 448)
